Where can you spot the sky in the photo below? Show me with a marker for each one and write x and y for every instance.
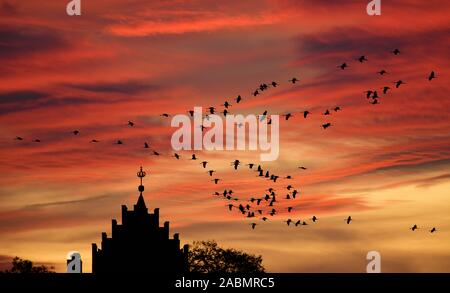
(386, 165)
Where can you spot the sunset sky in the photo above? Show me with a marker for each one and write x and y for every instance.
(386, 165)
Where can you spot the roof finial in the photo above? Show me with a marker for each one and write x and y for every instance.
(141, 174)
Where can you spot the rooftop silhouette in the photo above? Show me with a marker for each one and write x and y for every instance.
(139, 244)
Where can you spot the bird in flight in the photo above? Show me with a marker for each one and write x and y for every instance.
(155, 153)
(337, 109)
(37, 140)
(368, 94)
(76, 132)
(374, 102)
(204, 163)
(414, 228)
(289, 221)
(216, 180)
(396, 51)
(385, 89)
(238, 99)
(235, 163)
(314, 219)
(255, 93)
(382, 72)
(349, 219)
(327, 112)
(399, 83)
(94, 141)
(287, 116)
(177, 156)
(250, 166)
(253, 225)
(146, 145)
(119, 142)
(131, 123)
(211, 172)
(165, 115)
(431, 76)
(433, 230)
(326, 125)
(305, 114)
(19, 138)
(293, 80)
(289, 209)
(193, 157)
(274, 83)
(362, 59)
(343, 66)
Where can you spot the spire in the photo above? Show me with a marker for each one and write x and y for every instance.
(140, 204)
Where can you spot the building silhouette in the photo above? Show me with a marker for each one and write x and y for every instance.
(139, 244)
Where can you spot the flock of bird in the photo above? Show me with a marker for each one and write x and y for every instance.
(266, 206)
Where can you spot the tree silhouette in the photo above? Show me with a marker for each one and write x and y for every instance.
(26, 266)
(208, 257)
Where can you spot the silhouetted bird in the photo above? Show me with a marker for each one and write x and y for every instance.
(250, 166)
(289, 187)
(177, 156)
(385, 89)
(314, 219)
(211, 172)
(289, 209)
(368, 94)
(193, 157)
(289, 221)
(362, 59)
(287, 116)
(399, 83)
(191, 112)
(343, 66)
(431, 76)
(204, 164)
(155, 153)
(375, 95)
(76, 132)
(293, 80)
(130, 123)
(433, 230)
(255, 93)
(396, 51)
(37, 140)
(224, 112)
(374, 102)
(414, 228)
(235, 164)
(303, 168)
(382, 72)
(288, 177)
(230, 206)
(264, 219)
(274, 84)
(145, 145)
(304, 223)
(326, 125)
(119, 142)
(294, 193)
(305, 114)
(211, 110)
(165, 115)
(267, 174)
(337, 109)
(253, 225)
(18, 138)
(238, 99)
(349, 219)
(298, 223)
(94, 141)
(226, 104)
(216, 180)
(326, 112)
